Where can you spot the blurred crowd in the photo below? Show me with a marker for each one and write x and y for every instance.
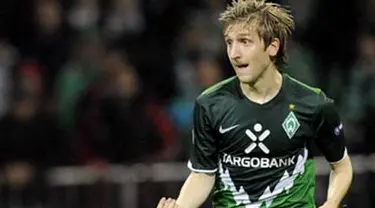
(91, 82)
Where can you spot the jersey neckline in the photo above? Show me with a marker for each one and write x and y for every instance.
(269, 103)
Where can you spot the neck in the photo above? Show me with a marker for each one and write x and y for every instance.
(265, 87)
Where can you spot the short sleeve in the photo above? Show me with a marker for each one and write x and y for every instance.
(330, 133)
(203, 154)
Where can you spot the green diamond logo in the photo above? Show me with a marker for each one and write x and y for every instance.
(291, 125)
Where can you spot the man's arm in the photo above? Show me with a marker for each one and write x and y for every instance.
(203, 163)
(195, 190)
(339, 182)
(331, 141)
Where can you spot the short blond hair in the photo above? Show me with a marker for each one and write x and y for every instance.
(271, 21)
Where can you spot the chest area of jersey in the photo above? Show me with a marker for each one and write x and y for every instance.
(274, 132)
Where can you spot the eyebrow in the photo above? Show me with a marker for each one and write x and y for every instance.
(239, 35)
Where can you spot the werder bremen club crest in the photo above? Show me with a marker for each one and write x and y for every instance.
(291, 125)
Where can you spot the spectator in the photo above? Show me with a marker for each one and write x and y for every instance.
(359, 97)
(29, 142)
(8, 59)
(50, 41)
(84, 15)
(75, 76)
(204, 72)
(119, 121)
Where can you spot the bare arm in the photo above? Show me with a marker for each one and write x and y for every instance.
(195, 190)
(339, 182)
(330, 139)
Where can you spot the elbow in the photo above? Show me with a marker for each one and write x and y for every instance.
(343, 167)
(196, 189)
(208, 176)
(205, 179)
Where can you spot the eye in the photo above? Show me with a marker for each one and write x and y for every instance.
(244, 41)
(228, 42)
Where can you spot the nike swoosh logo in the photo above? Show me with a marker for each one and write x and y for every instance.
(223, 131)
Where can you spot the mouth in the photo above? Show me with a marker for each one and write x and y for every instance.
(241, 66)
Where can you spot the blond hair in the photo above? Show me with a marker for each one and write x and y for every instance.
(271, 21)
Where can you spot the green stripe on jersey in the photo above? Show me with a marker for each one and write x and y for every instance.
(217, 86)
(314, 89)
(226, 194)
(225, 197)
(302, 195)
(294, 190)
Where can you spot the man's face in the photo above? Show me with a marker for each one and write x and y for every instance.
(247, 52)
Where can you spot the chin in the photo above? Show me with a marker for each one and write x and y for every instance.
(246, 79)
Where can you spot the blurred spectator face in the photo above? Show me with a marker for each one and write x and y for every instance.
(24, 109)
(194, 37)
(192, 41)
(208, 72)
(114, 62)
(125, 18)
(48, 16)
(128, 82)
(7, 54)
(30, 79)
(91, 52)
(367, 47)
(124, 5)
(84, 15)
(200, 36)
(18, 174)
(30, 86)
(125, 78)
(28, 91)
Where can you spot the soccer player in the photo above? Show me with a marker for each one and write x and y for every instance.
(253, 132)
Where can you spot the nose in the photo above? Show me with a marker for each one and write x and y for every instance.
(234, 52)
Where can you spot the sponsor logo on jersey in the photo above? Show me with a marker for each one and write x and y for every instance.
(256, 162)
(291, 125)
(257, 141)
(257, 135)
(225, 130)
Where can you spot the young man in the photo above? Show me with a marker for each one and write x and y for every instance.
(252, 132)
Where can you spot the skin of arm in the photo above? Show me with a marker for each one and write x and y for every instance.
(339, 182)
(195, 190)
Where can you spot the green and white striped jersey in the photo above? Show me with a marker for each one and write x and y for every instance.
(260, 153)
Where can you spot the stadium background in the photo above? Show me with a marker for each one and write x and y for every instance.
(96, 95)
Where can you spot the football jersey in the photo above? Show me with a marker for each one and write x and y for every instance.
(260, 153)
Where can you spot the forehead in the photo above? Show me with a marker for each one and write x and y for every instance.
(241, 29)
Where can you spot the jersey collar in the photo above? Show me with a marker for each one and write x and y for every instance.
(271, 102)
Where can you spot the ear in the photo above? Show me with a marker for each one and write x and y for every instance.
(273, 47)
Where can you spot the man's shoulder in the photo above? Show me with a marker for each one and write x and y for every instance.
(222, 90)
(307, 94)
